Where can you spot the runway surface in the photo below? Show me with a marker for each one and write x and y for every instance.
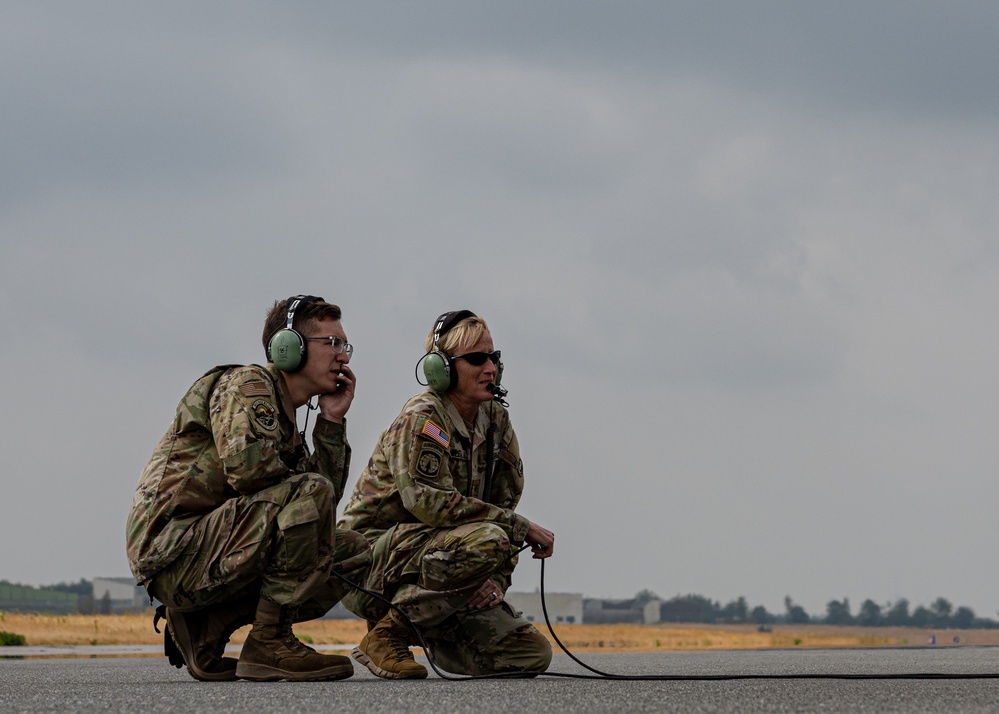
(149, 684)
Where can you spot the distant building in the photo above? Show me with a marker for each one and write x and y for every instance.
(607, 612)
(565, 608)
(117, 595)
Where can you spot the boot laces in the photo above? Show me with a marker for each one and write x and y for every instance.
(399, 645)
(287, 636)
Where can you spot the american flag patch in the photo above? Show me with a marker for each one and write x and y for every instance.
(254, 389)
(436, 433)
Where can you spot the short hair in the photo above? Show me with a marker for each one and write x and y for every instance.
(306, 315)
(460, 337)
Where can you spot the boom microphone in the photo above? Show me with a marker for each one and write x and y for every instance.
(499, 393)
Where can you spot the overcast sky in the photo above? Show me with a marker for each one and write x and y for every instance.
(741, 259)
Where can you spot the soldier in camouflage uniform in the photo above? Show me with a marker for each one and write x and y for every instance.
(439, 512)
(233, 520)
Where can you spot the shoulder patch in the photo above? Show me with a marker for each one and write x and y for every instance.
(254, 389)
(429, 462)
(436, 433)
(264, 414)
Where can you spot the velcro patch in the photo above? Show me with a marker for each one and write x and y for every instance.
(264, 414)
(429, 462)
(436, 433)
(254, 389)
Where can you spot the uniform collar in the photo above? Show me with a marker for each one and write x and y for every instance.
(478, 427)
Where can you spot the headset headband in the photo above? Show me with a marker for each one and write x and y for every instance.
(293, 304)
(446, 321)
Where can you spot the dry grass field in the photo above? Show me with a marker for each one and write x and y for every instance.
(138, 629)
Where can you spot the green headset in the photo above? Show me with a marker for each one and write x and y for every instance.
(438, 366)
(286, 348)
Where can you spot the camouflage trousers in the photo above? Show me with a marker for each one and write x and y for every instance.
(279, 542)
(431, 574)
(497, 639)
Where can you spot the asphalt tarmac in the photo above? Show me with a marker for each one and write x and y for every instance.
(149, 684)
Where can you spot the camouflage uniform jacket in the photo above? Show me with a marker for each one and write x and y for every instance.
(234, 434)
(428, 469)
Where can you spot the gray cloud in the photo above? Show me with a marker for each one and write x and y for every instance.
(739, 259)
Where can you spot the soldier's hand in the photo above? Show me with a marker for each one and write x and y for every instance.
(541, 540)
(488, 595)
(334, 405)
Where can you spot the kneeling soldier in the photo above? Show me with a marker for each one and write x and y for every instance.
(233, 521)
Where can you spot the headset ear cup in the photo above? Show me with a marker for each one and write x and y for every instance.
(499, 373)
(439, 371)
(287, 350)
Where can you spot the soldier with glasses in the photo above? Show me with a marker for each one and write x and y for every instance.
(233, 520)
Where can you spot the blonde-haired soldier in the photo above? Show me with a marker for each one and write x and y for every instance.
(437, 502)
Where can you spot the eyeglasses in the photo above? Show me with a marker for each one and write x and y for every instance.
(337, 343)
(477, 359)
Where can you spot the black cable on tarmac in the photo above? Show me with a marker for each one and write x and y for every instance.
(598, 674)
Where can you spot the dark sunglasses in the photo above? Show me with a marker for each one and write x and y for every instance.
(477, 359)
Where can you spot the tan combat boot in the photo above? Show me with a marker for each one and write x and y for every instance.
(385, 651)
(272, 652)
(198, 639)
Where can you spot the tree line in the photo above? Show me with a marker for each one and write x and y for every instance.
(59, 598)
(940, 614)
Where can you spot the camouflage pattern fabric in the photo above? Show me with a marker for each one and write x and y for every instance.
(232, 495)
(279, 540)
(496, 639)
(428, 468)
(281, 533)
(436, 536)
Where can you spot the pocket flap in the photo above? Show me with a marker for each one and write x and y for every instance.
(297, 513)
